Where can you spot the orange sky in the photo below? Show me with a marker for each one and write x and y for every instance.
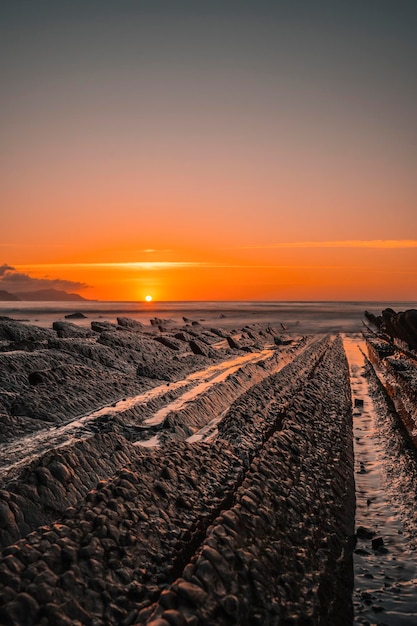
(238, 152)
(303, 271)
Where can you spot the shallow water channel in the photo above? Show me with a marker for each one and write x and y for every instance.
(385, 588)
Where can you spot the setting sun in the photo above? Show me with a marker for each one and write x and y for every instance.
(271, 189)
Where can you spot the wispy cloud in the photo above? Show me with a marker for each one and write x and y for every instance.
(144, 266)
(133, 265)
(350, 243)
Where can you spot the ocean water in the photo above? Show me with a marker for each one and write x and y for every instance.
(295, 317)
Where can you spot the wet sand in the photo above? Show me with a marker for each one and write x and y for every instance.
(385, 576)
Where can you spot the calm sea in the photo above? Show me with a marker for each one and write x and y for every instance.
(303, 317)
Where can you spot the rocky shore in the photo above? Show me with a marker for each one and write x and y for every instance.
(397, 366)
(174, 475)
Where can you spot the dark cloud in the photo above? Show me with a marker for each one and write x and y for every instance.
(5, 268)
(16, 282)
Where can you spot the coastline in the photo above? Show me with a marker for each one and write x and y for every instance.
(199, 471)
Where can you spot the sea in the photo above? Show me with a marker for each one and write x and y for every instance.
(291, 317)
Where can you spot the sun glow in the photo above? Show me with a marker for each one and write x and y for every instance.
(148, 298)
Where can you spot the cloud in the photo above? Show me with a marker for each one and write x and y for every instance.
(149, 266)
(127, 265)
(5, 268)
(386, 244)
(19, 282)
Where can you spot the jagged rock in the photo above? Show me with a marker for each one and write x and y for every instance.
(75, 316)
(373, 319)
(377, 543)
(219, 332)
(67, 329)
(159, 371)
(198, 347)
(364, 533)
(379, 348)
(233, 343)
(159, 321)
(102, 327)
(18, 332)
(128, 322)
(282, 341)
(183, 336)
(169, 342)
(402, 326)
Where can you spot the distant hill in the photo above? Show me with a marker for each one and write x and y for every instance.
(47, 295)
(5, 296)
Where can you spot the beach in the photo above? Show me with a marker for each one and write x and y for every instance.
(208, 313)
(168, 465)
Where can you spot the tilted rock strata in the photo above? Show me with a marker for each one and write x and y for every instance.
(280, 554)
(42, 491)
(198, 512)
(11, 332)
(254, 413)
(122, 545)
(400, 326)
(401, 453)
(69, 386)
(399, 373)
(53, 377)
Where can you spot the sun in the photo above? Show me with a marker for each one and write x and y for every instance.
(148, 298)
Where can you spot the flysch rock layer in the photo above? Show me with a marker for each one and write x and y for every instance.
(398, 370)
(74, 374)
(245, 530)
(399, 449)
(400, 326)
(51, 377)
(281, 554)
(42, 490)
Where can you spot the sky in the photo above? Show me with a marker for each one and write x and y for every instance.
(209, 150)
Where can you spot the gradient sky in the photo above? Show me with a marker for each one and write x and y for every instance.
(210, 149)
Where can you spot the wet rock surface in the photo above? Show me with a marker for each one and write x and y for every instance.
(124, 541)
(386, 470)
(41, 491)
(245, 526)
(54, 376)
(279, 554)
(398, 373)
(163, 474)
